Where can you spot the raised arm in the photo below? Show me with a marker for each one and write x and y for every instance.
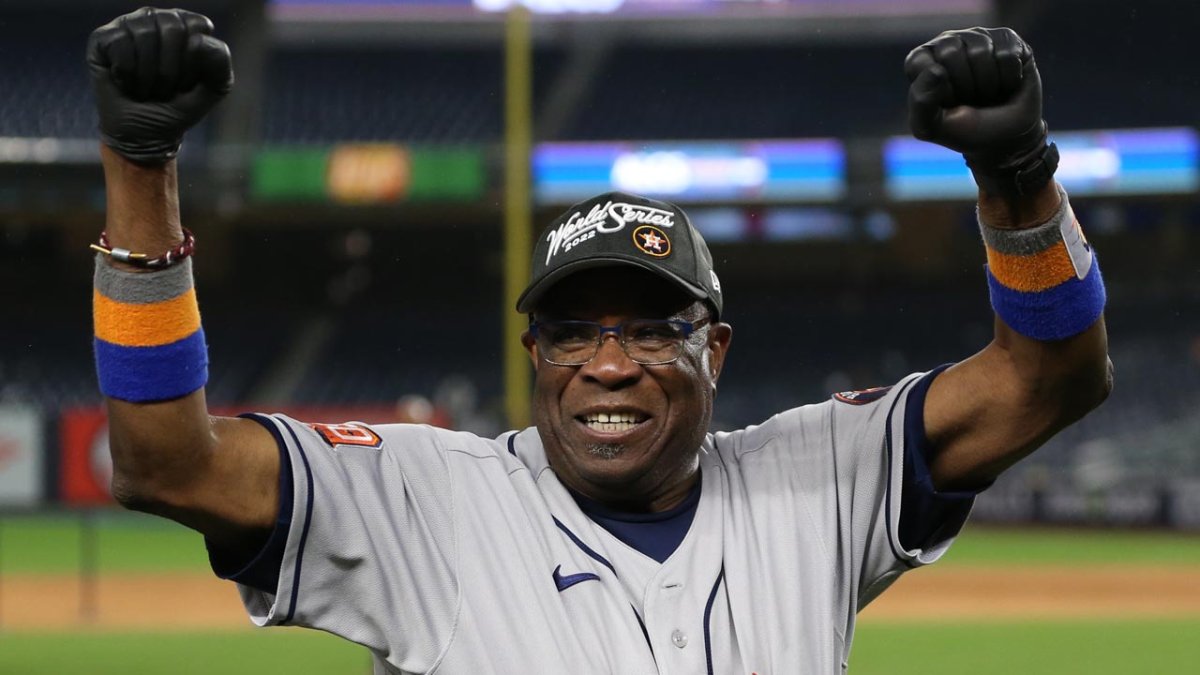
(978, 91)
(155, 74)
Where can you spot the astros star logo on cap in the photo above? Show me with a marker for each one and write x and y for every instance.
(650, 239)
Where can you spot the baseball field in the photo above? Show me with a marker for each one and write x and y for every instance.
(118, 593)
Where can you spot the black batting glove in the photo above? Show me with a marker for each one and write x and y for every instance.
(156, 73)
(978, 91)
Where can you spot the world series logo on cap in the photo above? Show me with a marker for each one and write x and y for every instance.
(607, 218)
(651, 240)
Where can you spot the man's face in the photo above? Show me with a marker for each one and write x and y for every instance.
(651, 463)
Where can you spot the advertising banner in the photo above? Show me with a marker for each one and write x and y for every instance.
(1183, 510)
(1093, 163)
(85, 468)
(334, 10)
(799, 170)
(369, 173)
(21, 455)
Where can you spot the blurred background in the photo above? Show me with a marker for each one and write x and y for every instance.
(349, 203)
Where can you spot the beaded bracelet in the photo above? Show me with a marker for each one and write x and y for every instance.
(143, 260)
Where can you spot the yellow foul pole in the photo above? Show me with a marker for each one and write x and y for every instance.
(518, 236)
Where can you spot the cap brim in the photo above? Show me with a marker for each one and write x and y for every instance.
(529, 299)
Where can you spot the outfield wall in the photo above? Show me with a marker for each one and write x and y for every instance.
(58, 460)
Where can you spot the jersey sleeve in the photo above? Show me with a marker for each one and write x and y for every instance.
(368, 552)
(927, 517)
(260, 571)
(896, 521)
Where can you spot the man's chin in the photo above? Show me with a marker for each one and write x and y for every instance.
(606, 450)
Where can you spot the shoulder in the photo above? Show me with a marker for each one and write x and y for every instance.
(804, 426)
(865, 406)
(404, 441)
(347, 435)
(815, 426)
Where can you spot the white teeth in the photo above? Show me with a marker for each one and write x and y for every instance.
(613, 417)
(612, 422)
(611, 426)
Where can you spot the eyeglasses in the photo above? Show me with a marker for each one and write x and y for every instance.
(650, 342)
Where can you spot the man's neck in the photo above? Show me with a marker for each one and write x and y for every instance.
(666, 498)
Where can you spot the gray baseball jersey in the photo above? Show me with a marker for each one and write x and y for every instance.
(444, 552)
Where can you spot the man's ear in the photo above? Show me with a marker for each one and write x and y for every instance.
(719, 337)
(530, 347)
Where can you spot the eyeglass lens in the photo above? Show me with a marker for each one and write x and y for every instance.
(646, 341)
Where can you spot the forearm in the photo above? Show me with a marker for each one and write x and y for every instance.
(1049, 384)
(1037, 376)
(154, 444)
(142, 205)
(1019, 212)
(1043, 368)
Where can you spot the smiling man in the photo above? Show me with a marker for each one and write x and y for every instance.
(627, 346)
(616, 535)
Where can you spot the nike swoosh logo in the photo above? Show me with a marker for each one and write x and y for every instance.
(565, 582)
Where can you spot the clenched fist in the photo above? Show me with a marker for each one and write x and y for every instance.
(156, 73)
(978, 91)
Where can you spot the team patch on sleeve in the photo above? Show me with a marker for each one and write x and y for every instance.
(350, 433)
(862, 396)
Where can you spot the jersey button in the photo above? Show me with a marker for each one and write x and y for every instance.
(679, 638)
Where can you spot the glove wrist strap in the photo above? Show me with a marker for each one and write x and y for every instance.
(1020, 179)
(1017, 174)
(148, 152)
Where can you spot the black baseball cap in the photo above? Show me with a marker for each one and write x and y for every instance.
(618, 228)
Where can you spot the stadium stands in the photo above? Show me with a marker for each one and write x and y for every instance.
(410, 94)
(45, 85)
(695, 92)
(447, 95)
(426, 95)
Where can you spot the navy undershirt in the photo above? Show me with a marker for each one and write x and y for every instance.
(654, 534)
(927, 517)
(262, 571)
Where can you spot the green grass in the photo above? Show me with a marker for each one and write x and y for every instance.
(262, 652)
(121, 542)
(127, 542)
(130, 542)
(1029, 648)
(1012, 547)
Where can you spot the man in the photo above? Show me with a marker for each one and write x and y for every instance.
(617, 535)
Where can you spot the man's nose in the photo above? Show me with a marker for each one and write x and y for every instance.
(611, 366)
